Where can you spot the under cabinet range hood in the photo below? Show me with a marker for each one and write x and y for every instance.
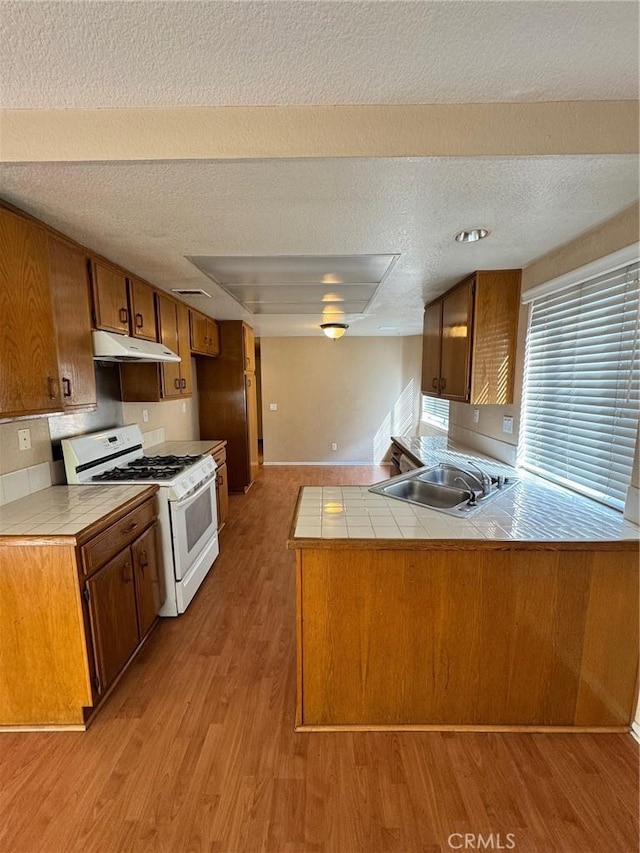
(109, 346)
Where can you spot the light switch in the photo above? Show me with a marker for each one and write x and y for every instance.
(507, 425)
(476, 416)
(273, 407)
(24, 439)
(145, 415)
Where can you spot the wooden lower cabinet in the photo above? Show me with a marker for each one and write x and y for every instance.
(452, 635)
(114, 622)
(148, 579)
(73, 614)
(222, 487)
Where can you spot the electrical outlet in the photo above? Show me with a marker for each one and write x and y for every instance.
(273, 407)
(507, 425)
(145, 415)
(476, 416)
(24, 439)
(334, 446)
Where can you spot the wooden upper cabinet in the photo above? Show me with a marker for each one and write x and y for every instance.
(29, 381)
(72, 314)
(431, 346)
(470, 337)
(249, 347)
(168, 328)
(456, 332)
(205, 335)
(110, 304)
(184, 349)
(167, 380)
(142, 312)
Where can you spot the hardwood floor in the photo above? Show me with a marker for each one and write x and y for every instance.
(195, 750)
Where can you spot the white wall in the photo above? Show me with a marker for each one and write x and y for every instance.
(355, 392)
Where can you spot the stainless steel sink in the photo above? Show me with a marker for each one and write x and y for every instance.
(417, 491)
(446, 488)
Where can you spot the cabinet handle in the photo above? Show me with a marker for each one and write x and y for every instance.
(247, 359)
(176, 383)
(127, 576)
(124, 315)
(139, 321)
(248, 383)
(131, 527)
(144, 562)
(434, 382)
(443, 384)
(66, 387)
(52, 385)
(183, 383)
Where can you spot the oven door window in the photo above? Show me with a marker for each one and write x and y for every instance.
(198, 519)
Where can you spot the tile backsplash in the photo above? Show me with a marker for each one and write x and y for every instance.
(26, 481)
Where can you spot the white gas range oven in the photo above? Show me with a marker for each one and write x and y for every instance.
(186, 501)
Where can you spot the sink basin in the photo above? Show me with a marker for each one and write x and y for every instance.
(419, 491)
(442, 487)
(451, 477)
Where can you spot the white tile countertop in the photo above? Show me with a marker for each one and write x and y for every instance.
(63, 510)
(532, 510)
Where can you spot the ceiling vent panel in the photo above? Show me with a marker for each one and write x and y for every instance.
(298, 284)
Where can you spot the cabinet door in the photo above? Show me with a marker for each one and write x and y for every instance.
(142, 308)
(198, 323)
(28, 359)
(456, 335)
(184, 349)
(72, 312)
(110, 305)
(149, 596)
(167, 321)
(249, 348)
(222, 494)
(252, 423)
(213, 338)
(114, 623)
(431, 346)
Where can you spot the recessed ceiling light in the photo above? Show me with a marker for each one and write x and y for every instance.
(472, 235)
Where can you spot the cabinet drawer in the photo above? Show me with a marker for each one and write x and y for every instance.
(99, 550)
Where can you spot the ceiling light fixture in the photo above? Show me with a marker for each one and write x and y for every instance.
(334, 330)
(472, 235)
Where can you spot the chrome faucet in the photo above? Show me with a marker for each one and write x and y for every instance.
(484, 480)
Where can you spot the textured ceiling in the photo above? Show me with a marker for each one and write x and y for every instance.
(148, 216)
(126, 54)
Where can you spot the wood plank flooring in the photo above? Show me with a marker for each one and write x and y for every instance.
(195, 750)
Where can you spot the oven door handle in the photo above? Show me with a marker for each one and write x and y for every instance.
(188, 499)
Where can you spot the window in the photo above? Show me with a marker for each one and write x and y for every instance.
(580, 406)
(435, 412)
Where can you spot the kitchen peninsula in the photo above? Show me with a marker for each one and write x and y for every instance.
(523, 616)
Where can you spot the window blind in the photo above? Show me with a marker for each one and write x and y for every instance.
(581, 392)
(435, 411)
